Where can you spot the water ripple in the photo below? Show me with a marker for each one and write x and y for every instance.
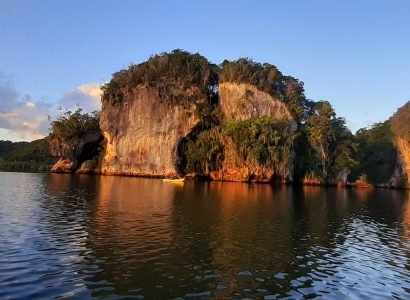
(110, 237)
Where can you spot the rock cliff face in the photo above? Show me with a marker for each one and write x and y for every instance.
(244, 101)
(142, 133)
(241, 102)
(73, 154)
(401, 175)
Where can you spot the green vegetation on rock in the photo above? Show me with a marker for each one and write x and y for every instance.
(376, 154)
(179, 76)
(264, 141)
(205, 153)
(326, 148)
(260, 141)
(71, 126)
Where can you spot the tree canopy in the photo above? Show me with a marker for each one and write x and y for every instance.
(72, 125)
(178, 76)
(332, 146)
(376, 153)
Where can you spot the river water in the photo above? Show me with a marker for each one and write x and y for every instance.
(82, 237)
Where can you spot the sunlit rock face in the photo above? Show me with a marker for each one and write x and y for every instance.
(63, 165)
(401, 175)
(142, 133)
(242, 102)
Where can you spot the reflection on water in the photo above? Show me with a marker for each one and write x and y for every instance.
(84, 236)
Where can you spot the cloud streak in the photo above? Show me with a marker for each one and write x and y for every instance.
(24, 118)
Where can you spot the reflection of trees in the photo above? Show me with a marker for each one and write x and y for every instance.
(232, 227)
(64, 212)
(130, 234)
(405, 234)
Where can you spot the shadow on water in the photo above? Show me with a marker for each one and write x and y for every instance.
(119, 236)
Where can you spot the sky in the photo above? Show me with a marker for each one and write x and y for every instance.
(54, 55)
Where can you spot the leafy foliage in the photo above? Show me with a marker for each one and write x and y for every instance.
(329, 138)
(343, 148)
(179, 76)
(205, 153)
(260, 141)
(72, 125)
(376, 153)
(264, 140)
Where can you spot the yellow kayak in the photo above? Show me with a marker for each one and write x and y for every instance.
(177, 180)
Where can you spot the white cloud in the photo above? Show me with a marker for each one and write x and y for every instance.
(23, 118)
(30, 104)
(87, 96)
(91, 89)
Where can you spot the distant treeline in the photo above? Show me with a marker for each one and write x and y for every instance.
(26, 156)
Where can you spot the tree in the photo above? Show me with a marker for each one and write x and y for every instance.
(320, 132)
(179, 77)
(331, 140)
(263, 141)
(376, 154)
(69, 126)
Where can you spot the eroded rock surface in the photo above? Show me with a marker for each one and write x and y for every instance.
(142, 133)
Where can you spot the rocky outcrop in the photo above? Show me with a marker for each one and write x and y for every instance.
(362, 184)
(63, 165)
(401, 174)
(142, 133)
(75, 152)
(242, 102)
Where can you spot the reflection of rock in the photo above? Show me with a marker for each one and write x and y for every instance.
(405, 235)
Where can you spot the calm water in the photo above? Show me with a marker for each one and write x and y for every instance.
(82, 237)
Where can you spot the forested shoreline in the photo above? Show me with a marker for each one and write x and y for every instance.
(237, 121)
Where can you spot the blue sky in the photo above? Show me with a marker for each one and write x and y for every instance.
(53, 54)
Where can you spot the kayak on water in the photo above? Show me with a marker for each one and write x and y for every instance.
(176, 180)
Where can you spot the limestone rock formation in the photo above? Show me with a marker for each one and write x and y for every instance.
(244, 101)
(74, 153)
(401, 175)
(241, 102)
(142, 134)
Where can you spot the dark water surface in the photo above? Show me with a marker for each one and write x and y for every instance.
(81, 237)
